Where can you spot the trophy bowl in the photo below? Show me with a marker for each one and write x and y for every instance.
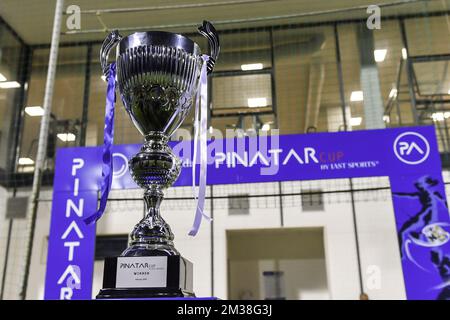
(157, 76)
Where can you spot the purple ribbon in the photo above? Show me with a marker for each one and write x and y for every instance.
(201, 110)
(108, 138)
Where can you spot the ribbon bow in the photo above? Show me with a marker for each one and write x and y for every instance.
(200, 131)
(108, 138)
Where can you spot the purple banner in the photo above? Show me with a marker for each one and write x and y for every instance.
(423, 226)
(408, 156)
(71, 244)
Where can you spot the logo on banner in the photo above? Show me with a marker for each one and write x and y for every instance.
(411, 148)
(120, 162)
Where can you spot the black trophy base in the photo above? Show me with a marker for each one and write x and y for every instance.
(146, 278)
(144, 293)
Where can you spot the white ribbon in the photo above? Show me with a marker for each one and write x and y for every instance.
(200, 132)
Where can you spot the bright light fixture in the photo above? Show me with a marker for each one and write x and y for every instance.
(265, 127)
(257, 102)
(26, 161)
(66, 137)
(251, 66)
(9, 85)
(357, 96)
(103, 78)
(440, 116)
(2, 77)
(355, 121)
(386, 119)
(380, 55)
(393, 93)
(34, 111)
(448, 92)
(404, 54)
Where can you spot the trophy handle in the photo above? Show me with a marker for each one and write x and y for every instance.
(110, 42)
(209, 32)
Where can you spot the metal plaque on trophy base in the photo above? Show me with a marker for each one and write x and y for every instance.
(157, 75)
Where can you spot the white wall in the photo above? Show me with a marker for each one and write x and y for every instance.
(263, 214)
(39, 254)
(4, 226)
(380, 256)
(18, 248)
(340, 249)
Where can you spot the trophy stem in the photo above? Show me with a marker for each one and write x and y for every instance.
(154, 168)
(152, 236)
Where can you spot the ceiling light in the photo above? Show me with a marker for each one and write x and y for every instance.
(357, 96)
(380, 54)
(103, 78)
(266, 127)
(440, 116)
(356, 121)
(34, 111)
(404, 54)
(386, 118)
(9, 85)
(66, 137)
(26, 161)
(437, 116)
(251, 66)
(257, 102)
(2, 77)
(393, 93)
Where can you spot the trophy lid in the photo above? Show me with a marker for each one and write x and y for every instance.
(158, 38)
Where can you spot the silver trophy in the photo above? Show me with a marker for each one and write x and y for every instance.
(157, 76)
